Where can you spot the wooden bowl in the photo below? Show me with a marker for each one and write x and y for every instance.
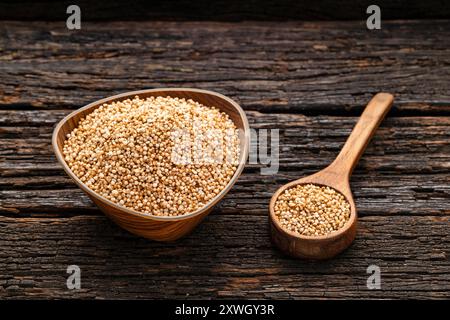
(145, 225)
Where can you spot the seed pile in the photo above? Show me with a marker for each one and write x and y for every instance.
(125, 152)
(312, 210)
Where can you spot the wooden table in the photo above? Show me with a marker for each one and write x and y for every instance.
(308, 79)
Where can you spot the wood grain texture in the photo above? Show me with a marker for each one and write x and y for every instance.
(310, 80)
(414, 171)
(227, 257)
(319, 68)
(223, 10)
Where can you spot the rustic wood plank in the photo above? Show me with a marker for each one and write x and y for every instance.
(310, 80)
(306, 142)
(228, 256)
(375, 194)
(297, 66)
(390, 174)
(229, 10)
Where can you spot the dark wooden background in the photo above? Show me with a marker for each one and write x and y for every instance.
(223, 10)
(308, 79)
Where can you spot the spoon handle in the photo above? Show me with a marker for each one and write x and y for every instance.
(363, 131)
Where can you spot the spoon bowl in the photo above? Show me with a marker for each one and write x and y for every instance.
(160, 228)
(314, 247)
(337, 176)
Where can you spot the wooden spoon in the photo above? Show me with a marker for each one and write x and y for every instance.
(336, 176)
